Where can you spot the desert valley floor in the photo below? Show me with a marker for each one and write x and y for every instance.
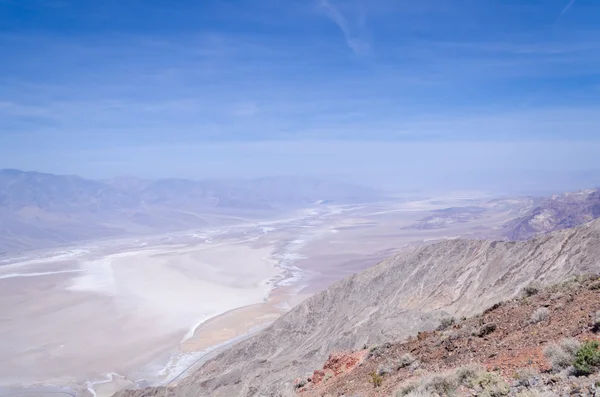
(111, 314)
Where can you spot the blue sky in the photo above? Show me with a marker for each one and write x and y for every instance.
(224, 88)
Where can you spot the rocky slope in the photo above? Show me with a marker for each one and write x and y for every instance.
(512, 348)
(556, 213)
(404, 294)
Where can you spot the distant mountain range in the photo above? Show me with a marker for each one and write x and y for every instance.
(556, 213)
(39, 210)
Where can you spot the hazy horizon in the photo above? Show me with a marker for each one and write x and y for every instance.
(500, 168)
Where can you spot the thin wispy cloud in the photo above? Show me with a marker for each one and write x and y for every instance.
(297, 71)
(356, 43)
(564, 11)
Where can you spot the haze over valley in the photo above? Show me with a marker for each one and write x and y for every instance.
(308, 198)
(146, 301)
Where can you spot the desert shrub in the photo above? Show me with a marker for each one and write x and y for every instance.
(535, 393)
(449, 335)
(570, 345)
(408, 390)
(376, 379)
(596, 322)
(594, 285)
(587, 358)
(491, 385)
(492, 308)
(375, 351)
(435, 384)
(532, 288)
(446, 323)
(442, 384)
(484, 330)
(540, 314)
(301, 383)
(419, 393)
(415, 367)
(406, 360)
(562, 355)
(525, 375)
(464, 375)
(384, 370)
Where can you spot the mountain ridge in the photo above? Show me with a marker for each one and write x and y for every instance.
(402, 295)
(555, 213)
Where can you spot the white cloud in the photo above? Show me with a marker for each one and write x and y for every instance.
(353, 40)
(564, 11)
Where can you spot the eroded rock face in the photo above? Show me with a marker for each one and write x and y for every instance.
(556, 213)
(404, 294)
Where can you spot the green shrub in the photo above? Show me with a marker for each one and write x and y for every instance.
(587, 358)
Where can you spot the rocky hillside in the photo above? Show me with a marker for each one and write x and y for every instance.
(544, 343)
(404, 294)
(556, 213)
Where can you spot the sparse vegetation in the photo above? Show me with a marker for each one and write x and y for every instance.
(419, 393)
(539, 315)
(490, 384)
(532, 289)
(484, 330)
(301, 384)
(406, 360)
(449, 335)
(594, 285)
(442, 383)
(464, 375)
(562, 355)
(535, 393)
(375, 351)
(376, 379)
(596, 322)
(525, 375)
(384, 370)
(571, 309)
(587, 358)
(446, 323)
